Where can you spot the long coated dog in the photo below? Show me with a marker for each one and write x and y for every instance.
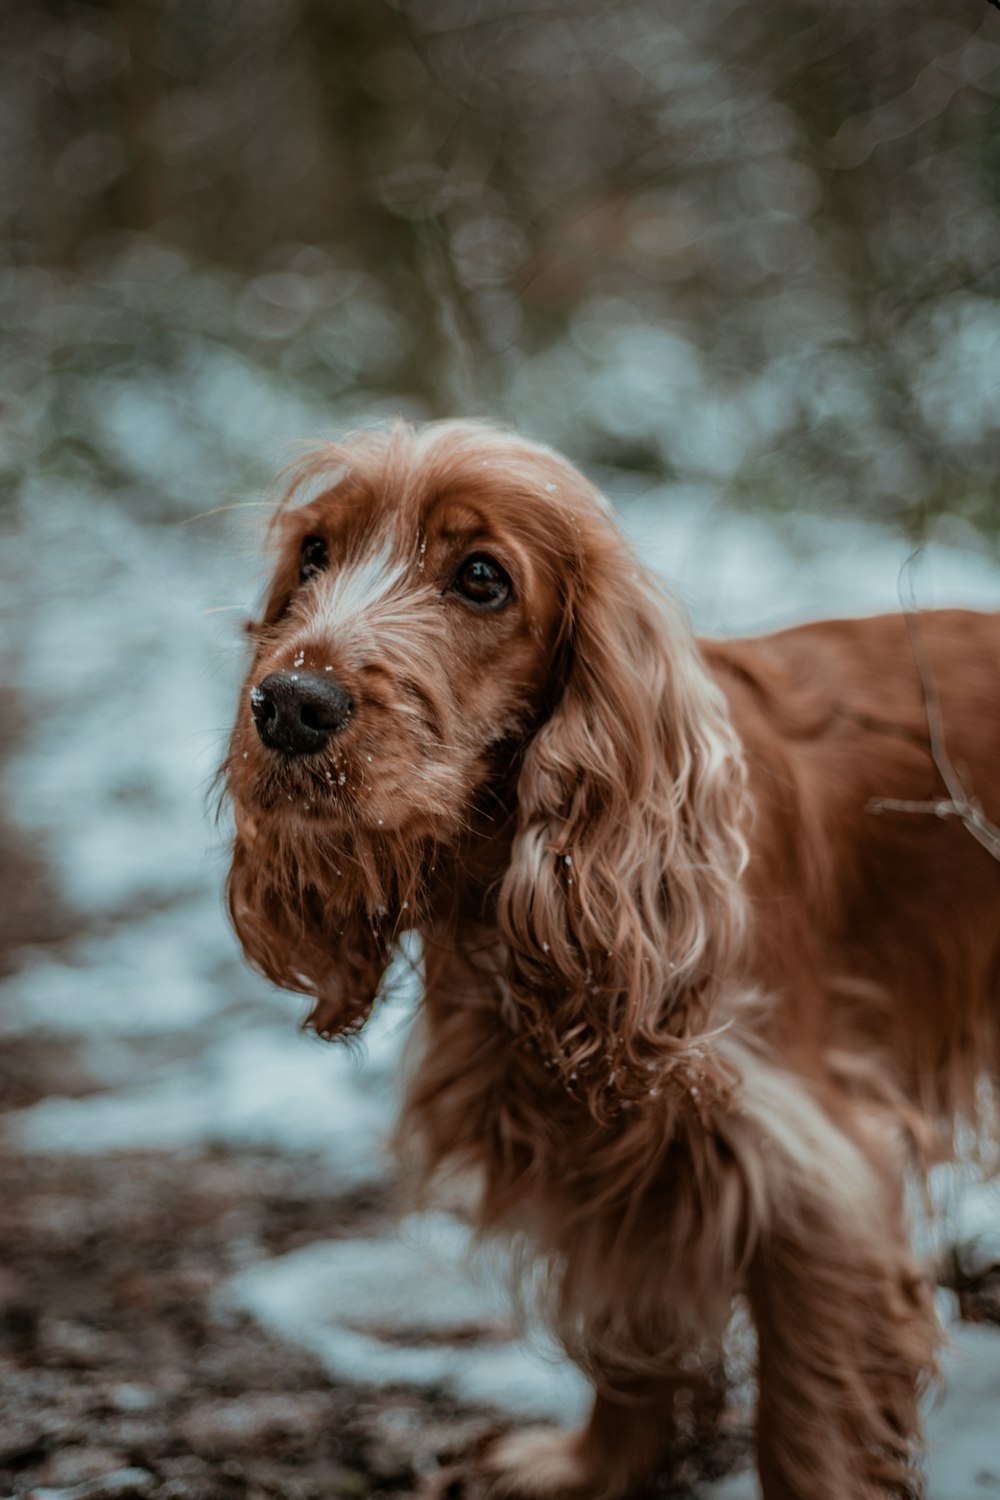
(710, 933)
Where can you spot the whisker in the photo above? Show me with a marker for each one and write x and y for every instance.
(219, 510)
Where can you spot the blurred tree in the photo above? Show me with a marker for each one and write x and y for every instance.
(748, 245)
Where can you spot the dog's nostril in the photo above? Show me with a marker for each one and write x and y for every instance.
(297, 712)
(261, 706)
(318, 716)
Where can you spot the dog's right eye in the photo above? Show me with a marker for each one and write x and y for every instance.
(313, 558)
(481, 581)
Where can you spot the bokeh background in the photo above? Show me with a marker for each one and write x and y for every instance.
(741, 261)
(753, 245)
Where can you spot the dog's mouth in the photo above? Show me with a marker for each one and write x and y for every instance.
(318, 788)
(309, 803)
(370, 783)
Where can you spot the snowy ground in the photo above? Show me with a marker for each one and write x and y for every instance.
(122, 650)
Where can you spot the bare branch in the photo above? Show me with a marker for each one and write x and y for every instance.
(959, 803)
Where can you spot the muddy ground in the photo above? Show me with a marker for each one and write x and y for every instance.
(118, 1378)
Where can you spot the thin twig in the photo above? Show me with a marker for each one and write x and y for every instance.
(959, 804)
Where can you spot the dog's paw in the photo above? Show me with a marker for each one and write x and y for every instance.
(538, 1464)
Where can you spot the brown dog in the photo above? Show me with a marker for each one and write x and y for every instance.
(704, 973)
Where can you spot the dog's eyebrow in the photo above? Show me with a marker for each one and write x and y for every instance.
(463, 523)
(462, 533)
(454, 515)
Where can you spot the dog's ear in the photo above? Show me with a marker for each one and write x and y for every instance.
(301, 938)
(621, 905)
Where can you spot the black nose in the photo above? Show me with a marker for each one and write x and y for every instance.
(296, 712)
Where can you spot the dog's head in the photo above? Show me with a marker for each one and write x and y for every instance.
(409, 631)
(459, 653)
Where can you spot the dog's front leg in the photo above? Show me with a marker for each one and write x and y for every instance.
(635, 1428)
(847, 1339)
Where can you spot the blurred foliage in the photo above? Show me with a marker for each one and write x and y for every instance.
(751, 246)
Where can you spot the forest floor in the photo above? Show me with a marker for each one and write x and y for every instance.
(117, 1377)
(121, 1377)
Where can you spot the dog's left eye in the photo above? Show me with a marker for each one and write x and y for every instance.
(481, 580)
(313, 558)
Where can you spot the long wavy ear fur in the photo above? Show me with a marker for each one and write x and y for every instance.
(621, 905)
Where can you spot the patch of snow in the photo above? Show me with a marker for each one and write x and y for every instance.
(269, 1087)
(400, 1310)
(963, 1449)
(157, 975)
(742, 574)
(742, 1486)
(973, 1211)
(959, 1214)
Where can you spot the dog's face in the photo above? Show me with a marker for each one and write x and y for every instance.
(407, 641)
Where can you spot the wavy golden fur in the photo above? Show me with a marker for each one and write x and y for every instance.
(692, 1005)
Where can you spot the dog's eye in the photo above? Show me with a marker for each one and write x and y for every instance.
(313, 558)
(482, 581)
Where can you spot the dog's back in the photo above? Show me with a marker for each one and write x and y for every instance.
(873, 751)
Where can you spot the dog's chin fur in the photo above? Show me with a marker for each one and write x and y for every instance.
(691, 1009)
